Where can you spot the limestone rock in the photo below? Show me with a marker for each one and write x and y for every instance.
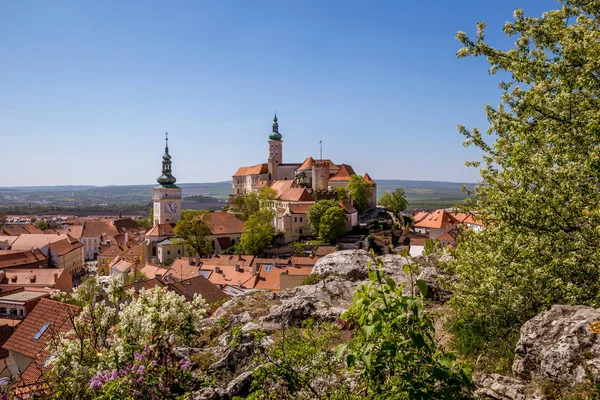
(558, 345)
(235, 358)
(499, 387)
(240, 385)
(350, 263)
(291, 312)
(436, 281)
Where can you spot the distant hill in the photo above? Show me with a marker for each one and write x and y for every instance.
(420, 194)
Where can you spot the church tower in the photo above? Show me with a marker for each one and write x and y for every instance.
(275, 151)
(166, 196)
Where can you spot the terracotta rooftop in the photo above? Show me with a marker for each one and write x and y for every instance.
(17, 258)
(253, 170)
(37, 277)
(347, 207)
(201, 286)
(281, 186)
(161, 230)
(308, 164)
(343, 174)
(181, 269)
(66, 245)
(20, 229)
(35, 241)
(295, 194)
(111, 251)
(126, 225)
(48, 319)
(152, 270)
(98, 228)
(420, 216)
(224, 223)
(76, 231)
(300, 208)
(438, 219)
(367, 178)
(227, 274)
(324, 250)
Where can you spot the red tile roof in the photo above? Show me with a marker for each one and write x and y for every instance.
(161, 230)
(98, 228)
(308, 164)
(438, 219)
(282, 186)
(343, 174)
(181, 269)
(224, 223)
(347, 207)
(295, 194)
(201, 286)
(56, 314)
(367, 178)
(253, 170)
(19, 258)
(66, 245)
(301, 208)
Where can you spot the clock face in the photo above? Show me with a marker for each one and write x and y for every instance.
(170, 207)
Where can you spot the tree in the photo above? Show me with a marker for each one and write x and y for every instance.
(42, 224)
(342, 193)
(135, 276)
(252, 202)
(258, 232)
(2, 218)
(50, 263)
(332, 224)
(394, 202)
(194, 229)
(149, 220)
(316, 212)
(360, 192)
(540, 172)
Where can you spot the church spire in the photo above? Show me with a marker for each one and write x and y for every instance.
(275, 135)
(166, 179)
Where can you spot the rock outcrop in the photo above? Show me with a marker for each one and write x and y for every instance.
(558, 345)
(500, 387)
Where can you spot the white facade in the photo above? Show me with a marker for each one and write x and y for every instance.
(167, 205)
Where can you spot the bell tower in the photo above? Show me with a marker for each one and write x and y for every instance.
(275, 151)
(166, 196)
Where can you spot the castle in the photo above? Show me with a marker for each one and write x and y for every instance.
(298, 185)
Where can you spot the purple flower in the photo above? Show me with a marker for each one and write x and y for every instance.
(141, 369)
(140, 380)
(184, 364)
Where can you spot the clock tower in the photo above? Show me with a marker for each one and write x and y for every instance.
(166, 196)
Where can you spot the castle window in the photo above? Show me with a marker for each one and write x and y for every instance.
(300, 219)
(295, 219)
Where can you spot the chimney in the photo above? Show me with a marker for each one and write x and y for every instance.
(158, 276)
(237, 267)
(191, 261)
(239, 282)
(138, 286)
(189, 289)
(126, 237)
(253, 270)
(217, 269)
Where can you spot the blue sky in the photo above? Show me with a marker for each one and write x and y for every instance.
(87, 89)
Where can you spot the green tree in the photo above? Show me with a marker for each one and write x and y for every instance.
(316, 212)
(342, 194)
(42, 224)
(332, 224)
(149, 220)
(50, 263)
(540, 174)
(252, 202)
(394, 202)
(258, 232)
(135, 276)
(2, 218)
(360, 192)
(194, 229)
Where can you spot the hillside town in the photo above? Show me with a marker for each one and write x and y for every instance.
(37, 261)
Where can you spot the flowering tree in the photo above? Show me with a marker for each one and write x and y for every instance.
(540, 177)
(127, 351)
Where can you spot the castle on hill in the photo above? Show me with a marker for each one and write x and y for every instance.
(298, 185)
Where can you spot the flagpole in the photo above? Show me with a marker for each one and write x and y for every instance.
(321, 151)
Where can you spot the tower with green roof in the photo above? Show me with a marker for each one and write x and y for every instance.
(167, 195)
(275, 150)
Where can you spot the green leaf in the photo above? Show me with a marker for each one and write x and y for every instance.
(340, 350)
(391, 283)
(367, 330)
(422, 285)
(448, 360)
(418, 340)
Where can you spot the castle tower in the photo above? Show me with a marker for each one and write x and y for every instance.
(320, 175)
(275, 151)
(166, 196)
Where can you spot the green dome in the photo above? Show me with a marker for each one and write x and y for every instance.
(275, 135)
(166, 179)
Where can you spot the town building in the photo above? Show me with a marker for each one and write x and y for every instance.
(68, 254)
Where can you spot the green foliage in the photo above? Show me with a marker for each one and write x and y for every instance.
(360, 192)
(2, 218)
(258, 232)
(540, 176)
(332, 224)
(252, 202)
(394, 347)
(293, 367)
(194, 229)
(149, 220)
(316, 211)
(135, 276)
(50, 263)
(394, 202)
(342, 194)
(42, 224)
(432, 246)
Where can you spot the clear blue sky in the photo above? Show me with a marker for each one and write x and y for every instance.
(88, 88)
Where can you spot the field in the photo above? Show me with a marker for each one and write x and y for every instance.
(420, 195)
